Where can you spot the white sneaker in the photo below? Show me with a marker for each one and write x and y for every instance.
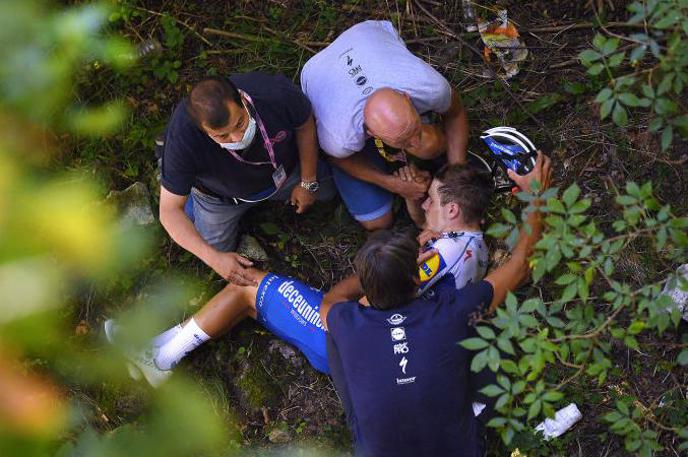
(141, 363)
(144, 362)
(111, 329)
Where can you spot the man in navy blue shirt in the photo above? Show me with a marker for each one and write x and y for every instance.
(232, 143)
(396, 364)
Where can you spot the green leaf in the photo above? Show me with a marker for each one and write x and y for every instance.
(667, 137)
(496, 422)
(595, 69)
(534, 409)
(599, 41)
(565, 279)
(571, 194)
(486, 333)
(569, 292)
(269, 228)
(610, 46)
(555, 206)
(474, 344)
(620, 116)
(633, 189)
(665, 85)
(665, 106)
(631, 342)
(553, 396)
(636, 327)
(492, 390)
(683, 357)
(507, 435)
(603, 95)
(623, 407)
(527, 320)
(509, 216)
(612, 417)
(656, 124)
(505, 345)
(493, 358)
(626, 200)
(606, 108)
(479, 361)
(580, 207)
(530, 305)
(583, 290)
(574, 87)
(638, 53)
(588, 56)
(668, 21)
(543, 102)
(616, 59)
(509, 366)
(629, 99)
(648, 91)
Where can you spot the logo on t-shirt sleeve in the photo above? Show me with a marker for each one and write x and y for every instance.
(429, 269)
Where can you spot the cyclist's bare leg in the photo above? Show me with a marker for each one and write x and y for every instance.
(229, 307)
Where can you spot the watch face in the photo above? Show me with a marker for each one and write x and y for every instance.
(311, 186)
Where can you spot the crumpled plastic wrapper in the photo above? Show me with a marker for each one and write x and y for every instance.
(502, 40)
(676, 293)
(563, 420)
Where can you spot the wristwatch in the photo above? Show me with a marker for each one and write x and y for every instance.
(310, 186)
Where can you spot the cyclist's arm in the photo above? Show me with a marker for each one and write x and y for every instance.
(515, 271)
(348, 289)
(358, 166)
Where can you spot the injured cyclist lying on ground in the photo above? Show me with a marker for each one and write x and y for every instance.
(452, 241)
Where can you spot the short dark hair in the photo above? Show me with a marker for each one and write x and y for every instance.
(208, 99)
(469, 187)
(386, 266)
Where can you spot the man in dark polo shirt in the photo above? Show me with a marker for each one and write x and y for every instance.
(232, 143)
(402, 377)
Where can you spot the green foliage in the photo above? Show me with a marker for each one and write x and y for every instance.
(61, 240)
(637, 79)
(538, 347)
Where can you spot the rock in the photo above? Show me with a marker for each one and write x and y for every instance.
(279, 436)
(249, 247)
(286, 351)
(133, 204)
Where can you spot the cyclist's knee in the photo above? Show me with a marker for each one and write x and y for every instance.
(383, 222)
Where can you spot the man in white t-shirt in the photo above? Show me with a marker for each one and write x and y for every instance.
(371, 98)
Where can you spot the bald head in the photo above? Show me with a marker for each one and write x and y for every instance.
(390, 116)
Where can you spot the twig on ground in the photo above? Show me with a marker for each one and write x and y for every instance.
(178, 21)
(444, 29)
(582, 25)
(258, 39)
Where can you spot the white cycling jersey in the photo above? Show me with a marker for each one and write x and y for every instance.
(461, 254)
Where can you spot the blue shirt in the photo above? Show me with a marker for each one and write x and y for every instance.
(402, 377)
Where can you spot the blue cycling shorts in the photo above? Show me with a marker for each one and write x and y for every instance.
(291, 310)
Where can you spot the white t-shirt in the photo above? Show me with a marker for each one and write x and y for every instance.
(461, 254)
(366, 57)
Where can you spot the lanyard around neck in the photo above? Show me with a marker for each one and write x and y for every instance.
(263, 132)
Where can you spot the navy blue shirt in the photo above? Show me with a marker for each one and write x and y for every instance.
(403, 378)
(192, 158)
